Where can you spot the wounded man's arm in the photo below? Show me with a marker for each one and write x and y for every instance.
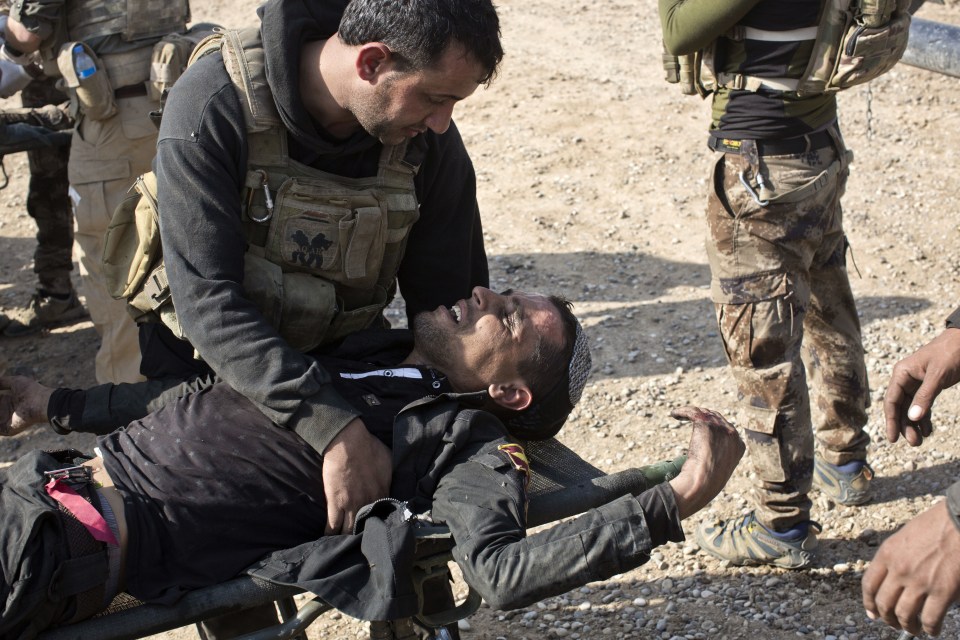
(482, 501)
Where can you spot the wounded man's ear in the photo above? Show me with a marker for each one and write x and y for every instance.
(514, 395)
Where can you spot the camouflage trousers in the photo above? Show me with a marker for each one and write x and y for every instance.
(48, 200)
(787, 317)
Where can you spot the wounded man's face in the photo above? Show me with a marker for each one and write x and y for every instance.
(482, 340)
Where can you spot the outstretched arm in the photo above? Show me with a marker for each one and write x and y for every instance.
(483, 502)
(915, 576)
(916, 382)
(715, 449)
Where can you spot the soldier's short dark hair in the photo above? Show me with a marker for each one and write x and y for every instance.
(418, 32)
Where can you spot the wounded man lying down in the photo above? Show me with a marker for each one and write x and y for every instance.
(198, 491)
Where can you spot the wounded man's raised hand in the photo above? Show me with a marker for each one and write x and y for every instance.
(715, 450)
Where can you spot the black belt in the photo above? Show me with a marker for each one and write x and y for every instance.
(788, 146)
(131, 91)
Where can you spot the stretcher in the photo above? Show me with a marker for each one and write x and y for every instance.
(562, 485)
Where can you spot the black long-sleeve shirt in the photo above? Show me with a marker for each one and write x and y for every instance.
(201, 165)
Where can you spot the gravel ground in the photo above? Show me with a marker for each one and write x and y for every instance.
(591, 179)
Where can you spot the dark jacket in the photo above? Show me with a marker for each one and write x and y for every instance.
(447, 460)
(201, 166)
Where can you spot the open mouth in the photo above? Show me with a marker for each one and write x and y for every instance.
(456, 312)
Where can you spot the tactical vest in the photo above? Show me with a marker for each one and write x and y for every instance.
(132, 20)
(323, 250)
(854, 42)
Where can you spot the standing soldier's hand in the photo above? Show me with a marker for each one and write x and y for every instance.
(915, 576)
(916, 382)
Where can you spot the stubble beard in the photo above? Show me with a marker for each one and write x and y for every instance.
(431, 342)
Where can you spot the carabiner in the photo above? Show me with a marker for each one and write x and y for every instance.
(267, 198)
(751, 191)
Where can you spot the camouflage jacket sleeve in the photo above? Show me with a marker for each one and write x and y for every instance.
(483, 501)
(40, 17)
(689, 25)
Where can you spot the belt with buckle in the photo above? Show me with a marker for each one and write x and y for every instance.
(130, 91)
(788, 146)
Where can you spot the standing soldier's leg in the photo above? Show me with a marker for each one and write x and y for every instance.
(48, 203)
(840, 393)
(760, 253)
(105, 158)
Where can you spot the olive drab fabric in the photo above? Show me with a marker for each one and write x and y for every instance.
(324, 250)
(170, 57)
(133, 20)
(854, 42)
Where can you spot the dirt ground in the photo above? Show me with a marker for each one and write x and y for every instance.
(591, 182)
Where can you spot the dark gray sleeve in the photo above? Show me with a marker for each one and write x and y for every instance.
(201, 166)
(953, 320)
(483, 503)
(107, 407)
(953, 503)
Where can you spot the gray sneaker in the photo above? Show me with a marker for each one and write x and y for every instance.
(44, 310)
(744, 541)
(848, 484)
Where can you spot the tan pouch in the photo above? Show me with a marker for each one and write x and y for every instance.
(131, 244)
(170, 57)
(299, 306)
(323, 229)
(93, 95)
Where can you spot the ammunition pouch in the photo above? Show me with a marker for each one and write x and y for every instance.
(860, 54)
(304, 309)
(687, 71)
(170, 56)
(133, 257)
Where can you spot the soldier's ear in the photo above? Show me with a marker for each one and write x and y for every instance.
(372, 60)
(515, 395)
